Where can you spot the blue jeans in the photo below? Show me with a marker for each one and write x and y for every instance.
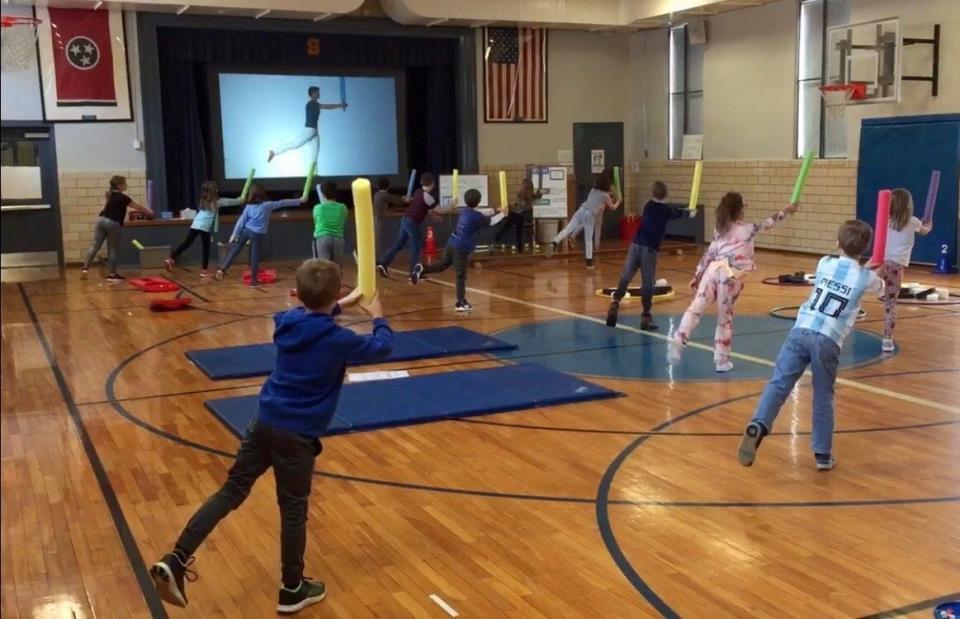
(409, 230)
(644, 259)
(254, 238)
(802, 348)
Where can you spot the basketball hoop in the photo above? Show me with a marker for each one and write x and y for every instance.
(836, 96)
(18, 36)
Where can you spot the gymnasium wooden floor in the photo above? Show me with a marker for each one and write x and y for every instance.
(630, 507)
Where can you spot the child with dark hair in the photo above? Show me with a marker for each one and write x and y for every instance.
(411, 226)
(252, 228)
(900, 237)
(382, 201)
(643, 254)
(521, 213)
(109, 226)
(461, 244)
(311, 128)
(823, 321)
(720, 276)
(586, 217)
(329, 218)
(204, 225)
(297, 404)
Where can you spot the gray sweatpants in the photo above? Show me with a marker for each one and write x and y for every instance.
(329, 248)
(585, 220)
(643, 259)
(106, 230)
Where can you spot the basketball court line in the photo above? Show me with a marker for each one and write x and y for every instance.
(693, 344)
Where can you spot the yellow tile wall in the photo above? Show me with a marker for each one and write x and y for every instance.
(82, 198)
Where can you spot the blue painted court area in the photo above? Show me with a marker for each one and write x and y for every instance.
(585, 347)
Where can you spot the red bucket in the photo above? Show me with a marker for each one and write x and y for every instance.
(629, 226)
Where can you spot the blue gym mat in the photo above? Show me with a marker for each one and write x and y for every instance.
(259, 359)
(433, 397)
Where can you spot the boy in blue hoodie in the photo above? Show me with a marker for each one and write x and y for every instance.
(296, 404)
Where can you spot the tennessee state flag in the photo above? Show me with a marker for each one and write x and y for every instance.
(82, 57)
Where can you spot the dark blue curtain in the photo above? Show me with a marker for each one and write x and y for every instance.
(187, 55)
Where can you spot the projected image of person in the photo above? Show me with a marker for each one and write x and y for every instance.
(310, 132)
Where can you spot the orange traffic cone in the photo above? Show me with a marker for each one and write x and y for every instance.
(430, 246)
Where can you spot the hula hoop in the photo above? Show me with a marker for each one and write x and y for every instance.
(775, 281)
(663, 296)
(777, 312)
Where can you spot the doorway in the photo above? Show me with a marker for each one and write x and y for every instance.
(597, 146)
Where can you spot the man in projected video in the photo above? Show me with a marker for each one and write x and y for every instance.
(309, 133)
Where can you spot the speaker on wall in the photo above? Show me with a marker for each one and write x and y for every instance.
(697, 31)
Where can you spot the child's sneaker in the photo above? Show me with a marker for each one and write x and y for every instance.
(612, 313)
(293, 600)
(382, 270)
(113, 278)
(724, 367)
(256, 284)
(674, 349)
(168, 575)
(752, 435)
(168, 265)
(646, 323)
(464, 307)
(825, 462)
(888, 345)
(204, 273)
(590, 264)
(219, 275)
(552, 249)
(84, 273)
(416, 273)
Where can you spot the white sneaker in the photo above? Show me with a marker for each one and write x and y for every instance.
(888, 345)
(84, 273)
(674, 350)
(725, 367)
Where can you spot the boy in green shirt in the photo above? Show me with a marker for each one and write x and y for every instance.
(329, 218)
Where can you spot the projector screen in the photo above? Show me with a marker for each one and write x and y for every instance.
(264, 114)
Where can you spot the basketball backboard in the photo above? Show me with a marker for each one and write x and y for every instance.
(867, 53)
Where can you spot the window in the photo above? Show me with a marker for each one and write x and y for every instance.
(685, 109)
(817, 131)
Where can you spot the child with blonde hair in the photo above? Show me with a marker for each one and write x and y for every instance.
(720, 276)
(205, 224)
(109, 226)
(900, 237)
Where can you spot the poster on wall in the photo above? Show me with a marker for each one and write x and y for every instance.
(552, 182)
(465, 182)
(83, 64)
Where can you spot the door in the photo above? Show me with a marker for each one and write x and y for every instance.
(597, 146)
(29, 206)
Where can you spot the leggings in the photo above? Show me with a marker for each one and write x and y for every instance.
(892, 274)
(191, 237)
(718, 284)
(106, 230)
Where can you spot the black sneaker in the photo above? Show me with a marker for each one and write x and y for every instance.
(168, 575)
(590, 263)
(752, 435)
(825, 462)
(416, 274)
(612, 314)
(115, 277)
(646, 323)
(463, 307)
(382, 270)
(309, 592)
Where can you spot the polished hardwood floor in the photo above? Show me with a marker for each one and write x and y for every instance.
(630, 507)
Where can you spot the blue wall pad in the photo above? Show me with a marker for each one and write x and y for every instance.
(434, 397)
(587, 348)
(259, 359)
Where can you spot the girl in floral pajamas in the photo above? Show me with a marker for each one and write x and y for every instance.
(720, 277)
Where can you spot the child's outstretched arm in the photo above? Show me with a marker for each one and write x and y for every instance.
(925, 228)
(376, 346)
(225, 202)
(333, 106)
(613, 203)
(140, 208)
(774, 219)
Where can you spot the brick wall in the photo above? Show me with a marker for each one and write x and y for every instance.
(82, 198)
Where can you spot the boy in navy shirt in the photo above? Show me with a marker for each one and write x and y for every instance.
(411, 226)
(460, 245)
(296, 404)
(643, 255)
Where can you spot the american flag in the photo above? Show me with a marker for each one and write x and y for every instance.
(515, 74)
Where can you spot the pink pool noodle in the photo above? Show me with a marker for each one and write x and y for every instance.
(931, 196)
(880, 230)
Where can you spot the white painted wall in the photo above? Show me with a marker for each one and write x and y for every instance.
(588, 79)
(81, 146)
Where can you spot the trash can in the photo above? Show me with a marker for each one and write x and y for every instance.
(153, 257)
(546, 230)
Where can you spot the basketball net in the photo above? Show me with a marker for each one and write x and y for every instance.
(18, 37)
(836, 97)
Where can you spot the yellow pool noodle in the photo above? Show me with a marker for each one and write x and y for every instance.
(695, 187)
(504, 203)
(137, 244)
(366, 256)
(246, 185)
(455, 184)
(306, 185)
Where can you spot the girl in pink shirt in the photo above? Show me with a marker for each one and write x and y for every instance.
(720, 277)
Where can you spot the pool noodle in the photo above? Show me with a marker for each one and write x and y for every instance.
(801, 177)
(931, 196)
(504, 204)
(880, 230)
(616, 181)
(246, 185)
(306, 185)
(136, 244)
(695, 186)
(455, 185)
(150, 195)
(366, 259)
(413, 179)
